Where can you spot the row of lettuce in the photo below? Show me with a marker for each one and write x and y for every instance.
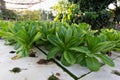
(72, 44)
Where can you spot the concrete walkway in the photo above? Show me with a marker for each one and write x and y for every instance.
(30, 69)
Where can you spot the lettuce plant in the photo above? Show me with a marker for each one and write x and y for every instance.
(5, 31)
(64, 39)
(78, 44)
(46, 28)
(71, 43)
(94, 50)
(25, 37)
(111, 35)
(24, 34)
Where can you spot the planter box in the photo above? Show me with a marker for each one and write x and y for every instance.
(30, 69)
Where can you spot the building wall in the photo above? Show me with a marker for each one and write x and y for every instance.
(2, 4)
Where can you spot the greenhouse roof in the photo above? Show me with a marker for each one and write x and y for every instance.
(22, 1)
(30, 4)
(21, 4)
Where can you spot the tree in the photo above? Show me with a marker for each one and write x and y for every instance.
(93, 12)
(116, 12)
(92, 5)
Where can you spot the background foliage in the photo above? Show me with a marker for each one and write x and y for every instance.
(8, 15)
(93, 12)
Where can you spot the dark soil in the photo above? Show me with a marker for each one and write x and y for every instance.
(12, 52)
(57, 74)
(32, 54)
(52, 77)
(43, 61)
(58, 57)
(109, 53)
(16, 70)
(116, 72)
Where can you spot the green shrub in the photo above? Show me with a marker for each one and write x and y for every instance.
(66, 12)
(28, 15)
(8, 15)
(98, 20)
(20, 15)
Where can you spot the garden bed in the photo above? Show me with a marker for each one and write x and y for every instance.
(31, 70)
(75, 49)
